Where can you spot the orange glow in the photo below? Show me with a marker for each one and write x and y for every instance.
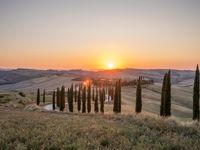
(110, 65)
(86, 82)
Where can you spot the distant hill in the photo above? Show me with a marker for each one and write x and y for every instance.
(22, 78)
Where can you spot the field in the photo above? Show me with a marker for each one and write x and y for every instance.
(27, 126)
(46, 130)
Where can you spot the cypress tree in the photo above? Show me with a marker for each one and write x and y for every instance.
(75, 94)
(104, 94)
(53, 100)
(120, 97)
(38, 96)
(44, 94)
(71, 99)
(102, 99)
(168, 95)
(68, 98)
(116, 98)
(196, 95)
(58, 97)
(112, 93)
(96, 107)
(93, 95)
(138, 106)
(89, 98)
(62, 106)
(84, 100)
(162, 106)
(79, 99)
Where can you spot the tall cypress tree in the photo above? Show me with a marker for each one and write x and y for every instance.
(62, 106)
(58, 97)
(102, 99)
(53, 100)
(120, 97)
(96, 105)
(93, 95)
(116, 98)
(38, 96)
(168, 95)
(44, 94)
(138, 106)
(84, 100)
(112, 93)
(196, 95)
(79, 99)
(89, 98)
(68, 98)
(75, 94)
(163, 93)
(71, 99)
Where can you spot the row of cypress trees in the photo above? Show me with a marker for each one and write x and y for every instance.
(165, 108)
(38, 96)
(83, 96)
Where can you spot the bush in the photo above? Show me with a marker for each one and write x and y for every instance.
(104, 142)
(22, 94)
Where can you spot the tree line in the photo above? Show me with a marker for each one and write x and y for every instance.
(83, 95)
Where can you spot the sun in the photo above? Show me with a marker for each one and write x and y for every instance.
(110, 65)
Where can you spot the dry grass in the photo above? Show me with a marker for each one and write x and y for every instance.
(45, 130)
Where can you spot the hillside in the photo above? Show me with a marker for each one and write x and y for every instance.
(36, 130)
(29, 80)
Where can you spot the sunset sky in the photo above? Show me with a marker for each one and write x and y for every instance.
(96, 34)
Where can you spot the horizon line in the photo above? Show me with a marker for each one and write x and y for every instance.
(84, 69)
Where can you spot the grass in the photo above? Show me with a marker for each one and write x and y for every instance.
(24, 126)
(14, 99)
(44, 130)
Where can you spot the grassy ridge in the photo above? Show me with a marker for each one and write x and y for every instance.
(36, 130)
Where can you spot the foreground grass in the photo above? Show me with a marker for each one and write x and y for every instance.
(44, 130)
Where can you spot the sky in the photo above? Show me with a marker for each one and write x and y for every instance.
(98, 34)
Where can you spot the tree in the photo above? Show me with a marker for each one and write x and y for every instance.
(38, 96)
(138, 106)
(162, 107)
(71, 99)
(96, 107)
(58, 97)
(102, 99)
(68, 98)
(168, 95)
(89, 98)
(62, 106)
(84, 100)
(75, 93)
(79, 99)
(53, 100)
(165, 108)
(196, 95)
(120, 97)
(116, 99)
(44, 93)
(93, 95)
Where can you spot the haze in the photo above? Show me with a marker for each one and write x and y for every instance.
(89, 34)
